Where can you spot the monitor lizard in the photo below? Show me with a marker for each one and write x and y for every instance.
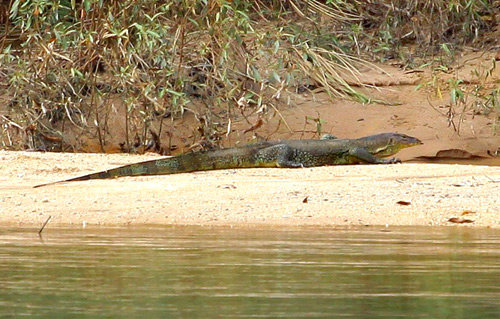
(279, 153)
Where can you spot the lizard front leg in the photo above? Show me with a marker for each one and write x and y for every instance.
(362, 155)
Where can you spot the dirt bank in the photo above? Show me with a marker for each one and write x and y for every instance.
(429, 194)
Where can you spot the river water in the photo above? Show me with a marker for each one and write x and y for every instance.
(221, 272)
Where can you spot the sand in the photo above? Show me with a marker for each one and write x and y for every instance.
(400, 194)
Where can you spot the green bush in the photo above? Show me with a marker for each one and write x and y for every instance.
(68, 62)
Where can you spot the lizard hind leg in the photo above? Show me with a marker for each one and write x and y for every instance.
(279, 155)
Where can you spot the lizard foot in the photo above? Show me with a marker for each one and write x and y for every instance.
(394, 160)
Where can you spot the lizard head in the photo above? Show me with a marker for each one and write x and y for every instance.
(388, 144)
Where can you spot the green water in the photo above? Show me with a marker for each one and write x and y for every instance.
(195, 272)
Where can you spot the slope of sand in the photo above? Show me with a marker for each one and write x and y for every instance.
(337, 195)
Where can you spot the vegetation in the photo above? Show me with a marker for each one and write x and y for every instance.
(74, 70)
(432, 27)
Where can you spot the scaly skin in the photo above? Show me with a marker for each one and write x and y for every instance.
(280, 153)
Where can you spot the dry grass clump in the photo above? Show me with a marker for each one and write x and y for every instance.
(428, 26)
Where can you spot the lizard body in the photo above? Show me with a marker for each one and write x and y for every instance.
(279, 153)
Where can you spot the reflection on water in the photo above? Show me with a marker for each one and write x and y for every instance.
(194, 272)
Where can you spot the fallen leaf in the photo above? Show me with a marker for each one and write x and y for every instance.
(413, 71)
(458, 220)
(51, 138)
(255, 126)
(465, 212)
(404, 203)
(227, 186)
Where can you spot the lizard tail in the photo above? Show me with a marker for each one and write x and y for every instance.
(189, 162)
(198, 161)
(79, 178)
(137, 169)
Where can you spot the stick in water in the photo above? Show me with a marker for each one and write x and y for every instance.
(44, 224)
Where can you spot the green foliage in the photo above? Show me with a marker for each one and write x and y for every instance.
(76, 58)
(68, 62)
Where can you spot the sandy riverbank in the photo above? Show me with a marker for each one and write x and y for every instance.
(337, 195)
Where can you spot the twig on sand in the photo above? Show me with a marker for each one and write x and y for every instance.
(491, 179)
